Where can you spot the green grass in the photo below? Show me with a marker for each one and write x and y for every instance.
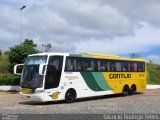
(9, 79)
(153, 73)
(9, 91)
(4, 64)
(4, 61)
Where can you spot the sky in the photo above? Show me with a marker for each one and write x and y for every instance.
(118, 27)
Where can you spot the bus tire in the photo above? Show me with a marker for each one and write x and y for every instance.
(70, 95)
(132, 89)
(125, 90)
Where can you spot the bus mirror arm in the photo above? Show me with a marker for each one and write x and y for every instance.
(18, 67)
(42, 69)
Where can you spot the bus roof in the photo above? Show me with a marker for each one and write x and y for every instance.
(90, 55)
(49, 53)
(106, 56)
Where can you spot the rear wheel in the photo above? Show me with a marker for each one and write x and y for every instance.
(132, 89)
(70, 96)
(125, 91)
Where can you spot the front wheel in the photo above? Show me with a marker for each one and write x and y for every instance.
(70, 96)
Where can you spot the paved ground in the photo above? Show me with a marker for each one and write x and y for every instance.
(145, 102)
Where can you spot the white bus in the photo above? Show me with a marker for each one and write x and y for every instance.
(63, 76)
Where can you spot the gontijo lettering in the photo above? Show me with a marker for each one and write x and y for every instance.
(115, 76)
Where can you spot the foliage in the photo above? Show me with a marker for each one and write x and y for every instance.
(29, 42)
(47, 47)
(9, 79)
(4, 61)
(153, 73)
(4, 64)
(134, 55)
(18, 53)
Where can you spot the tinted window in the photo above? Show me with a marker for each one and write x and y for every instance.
(35, 60)
(101, 65)
(69, 64)
(104, 65)
(87, 65)
(78, 65)
(133, 67)
(73, 64)
(112, 66)
(125, 66)
(53, 74)
(140, 67)
(118, 66)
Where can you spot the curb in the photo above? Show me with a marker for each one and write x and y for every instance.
(153, 86)
(6, 88)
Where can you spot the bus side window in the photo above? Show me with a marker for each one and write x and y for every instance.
(87, 64)
(112, 67)
(118, 66)
(125, 66)
(90, 65)
(99, 65)
(140, 67)
(69, 64)
(84, 65)
(135, 67)
(78, 65)
(132, 67)
(96, 66)
(103, 65)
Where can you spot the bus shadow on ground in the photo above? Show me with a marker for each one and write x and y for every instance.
(77, 100)
(104, 97)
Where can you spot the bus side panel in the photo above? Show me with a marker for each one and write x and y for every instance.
(89, 84)
(85, 84)
(117, 80)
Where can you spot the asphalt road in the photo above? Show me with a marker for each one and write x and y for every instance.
(141, 103)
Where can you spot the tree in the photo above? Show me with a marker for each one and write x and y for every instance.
(47, 47)
(134, 55)
(151, 61)
(18, 53)
(0, 52)
(29, 42)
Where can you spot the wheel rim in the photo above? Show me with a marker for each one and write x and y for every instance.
(133, 88)
(125, 91)
(70, 96)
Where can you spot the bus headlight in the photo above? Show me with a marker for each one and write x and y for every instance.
(39, 91)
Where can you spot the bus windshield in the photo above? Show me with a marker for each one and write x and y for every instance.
(31, 78)
(35, 60)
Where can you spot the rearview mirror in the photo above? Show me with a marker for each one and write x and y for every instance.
(42, 69)
(18, 69)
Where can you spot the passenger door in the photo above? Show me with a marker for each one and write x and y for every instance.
(53, 73)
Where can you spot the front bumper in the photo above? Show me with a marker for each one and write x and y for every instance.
(36, 97)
